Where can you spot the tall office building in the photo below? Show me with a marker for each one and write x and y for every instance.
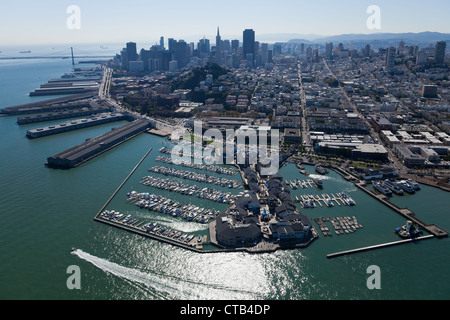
(439, 52)
(161, 42)
(421, 57)
(329, 51)
(234, 45)
(390, 57)
(367, 51)
(218, 48)
(203, 46)
(181, 53)
(131, 52)
(171, 42)
(264, 53)
(249, 42)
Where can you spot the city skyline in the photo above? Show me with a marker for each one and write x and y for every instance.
(45, 22)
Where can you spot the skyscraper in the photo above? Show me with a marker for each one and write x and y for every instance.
(161, 42)
(131, 52)
(439, 52)
(181, 53)
(234, 45)
(218, 48)
(249, 42)
(329, 51)
(390, 57)
(203, 46)
(264, 53)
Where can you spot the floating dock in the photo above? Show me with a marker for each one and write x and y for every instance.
(76, 124)
(378, 246)
(83, 152)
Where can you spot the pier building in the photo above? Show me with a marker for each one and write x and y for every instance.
(92, 147)
(76, 124)
(83, 109)
(52, 105)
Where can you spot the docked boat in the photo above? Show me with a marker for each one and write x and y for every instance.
(406, 187)
(413, 184)
(409, 230)
(348, 200)
(393, 187)
(378, 185)
(321, 170)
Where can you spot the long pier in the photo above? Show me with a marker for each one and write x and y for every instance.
(124, 181)
(378, 246)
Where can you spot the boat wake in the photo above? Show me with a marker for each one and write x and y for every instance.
(163, 286)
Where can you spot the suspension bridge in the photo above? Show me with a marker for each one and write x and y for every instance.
(63, 54)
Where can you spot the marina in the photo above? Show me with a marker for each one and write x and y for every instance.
(200, 166)
(170, 207)
(152, 229)
(199, 177)
(310, 183)
(190, 190)
(314, 200)
(406, 213)
(340, 225)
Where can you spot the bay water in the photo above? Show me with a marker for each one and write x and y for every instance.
(45, 212)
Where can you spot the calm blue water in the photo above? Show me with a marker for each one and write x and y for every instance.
(46, 212)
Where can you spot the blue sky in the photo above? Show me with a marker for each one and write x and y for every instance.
(44, 21)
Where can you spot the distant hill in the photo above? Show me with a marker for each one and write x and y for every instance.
(421, 37)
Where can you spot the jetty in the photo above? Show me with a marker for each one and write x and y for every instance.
(378, 246)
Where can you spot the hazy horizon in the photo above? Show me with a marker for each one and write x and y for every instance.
(45, 22)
